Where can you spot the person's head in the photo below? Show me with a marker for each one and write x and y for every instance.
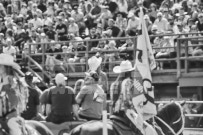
(195, 97)
(99, 29)
(71, 20)
(93, 31)
(91, 77)
(95, 2)
(159, 15)
(29, 77)
(101, 44)
(60, 79)
(131, 16)
(153, 7)
(52, 45)
(125, 69)
(110, 22)
(8, 42)
(112, 44)
(154, 29)
(200, 17)
(75, 8)
(194, 5)
(193, 28)
(119, 15)
(35, 15)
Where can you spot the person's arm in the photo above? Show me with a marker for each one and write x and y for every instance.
(81, 95)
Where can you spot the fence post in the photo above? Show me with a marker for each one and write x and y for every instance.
(29, 53)
(178, 92)
(178, 59)
(43, 57)
(135, 47)
(186, 56)
(87, 54)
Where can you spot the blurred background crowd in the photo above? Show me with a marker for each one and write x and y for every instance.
(48, 21)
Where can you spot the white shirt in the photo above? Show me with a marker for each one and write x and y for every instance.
(162, 24)
(133, 23)
(47, 21)
(36, 23)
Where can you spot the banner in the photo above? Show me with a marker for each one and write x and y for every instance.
(144, 63)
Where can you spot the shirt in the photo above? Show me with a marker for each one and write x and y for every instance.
(162, 24)
(61, 100)
(33, 102)
(133, 23)
(92, 97)
(36, 23)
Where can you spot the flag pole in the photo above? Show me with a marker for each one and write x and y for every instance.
(104, 118)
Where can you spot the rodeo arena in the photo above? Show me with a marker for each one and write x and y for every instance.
(101, 67)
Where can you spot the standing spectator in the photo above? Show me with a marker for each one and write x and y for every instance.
(153, 12)
(78, 16)
(61, 29)
(161, 22)
(61, 100)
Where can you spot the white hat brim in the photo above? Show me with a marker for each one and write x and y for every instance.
(117, 69)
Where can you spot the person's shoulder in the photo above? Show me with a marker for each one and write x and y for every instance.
(51, 88)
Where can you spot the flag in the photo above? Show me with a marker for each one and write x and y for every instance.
(144, 64)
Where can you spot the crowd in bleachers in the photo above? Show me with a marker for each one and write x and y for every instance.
(44, 21)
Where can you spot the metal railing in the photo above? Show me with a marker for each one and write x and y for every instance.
(89, 53)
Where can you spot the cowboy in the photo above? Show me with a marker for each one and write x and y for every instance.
(91, 98)
(61, 102)
(122, 92)
(94, 64)
(122, 105)
(13, 93)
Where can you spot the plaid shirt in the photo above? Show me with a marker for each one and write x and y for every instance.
(121, 94)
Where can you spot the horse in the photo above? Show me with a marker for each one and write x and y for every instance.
(169, 120)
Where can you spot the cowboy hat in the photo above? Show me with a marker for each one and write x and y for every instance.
(94, 62)
(8, 60)
(125, 66)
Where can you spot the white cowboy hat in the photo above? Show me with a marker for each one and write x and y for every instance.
(125, 66)
(94, 63)
(8, 60)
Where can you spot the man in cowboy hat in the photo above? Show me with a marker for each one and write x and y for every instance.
(94, 64)
(61, 100)
(124, 85)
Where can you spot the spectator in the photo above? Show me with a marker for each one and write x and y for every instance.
(161, 22)
(116, 32)
(133, 24)
(61, 102)
(61, 29)
(73, 27)
(95, 64)
(33, 100)
(10, 49)
(91, 98)
(36, 21)
(153, 12)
